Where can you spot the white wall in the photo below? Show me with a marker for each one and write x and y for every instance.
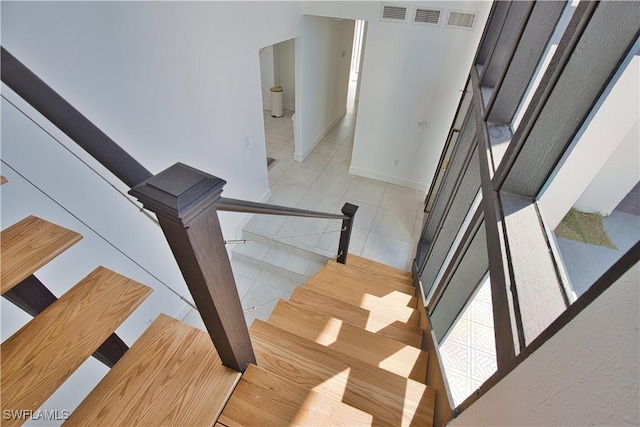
(169, 81)
(410, 73)
(587, 374)
(605, 159)
(616, 178)
(267, 75)
(322, 79)
(286, 55)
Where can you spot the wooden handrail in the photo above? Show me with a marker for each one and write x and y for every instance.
(235, 205)
(70, 121)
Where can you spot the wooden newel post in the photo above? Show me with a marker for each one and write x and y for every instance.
(183, 198)
(345, 236)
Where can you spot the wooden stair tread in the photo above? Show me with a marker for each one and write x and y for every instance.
(171, 375)
(3, 180)
(38, 358)
(373, 287)
(389, 398)
(264, 398)
(390, 282)
(377, 268)
(395, 305)
(368, 347)
(28, 245)
(371, 321)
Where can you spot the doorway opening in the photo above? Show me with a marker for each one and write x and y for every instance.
(277, 79)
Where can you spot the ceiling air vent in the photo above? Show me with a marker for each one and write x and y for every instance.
(393, 13)
(427, 16)
(458, 19)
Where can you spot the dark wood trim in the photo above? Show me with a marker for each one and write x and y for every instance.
(234, 205)
(506, 331)
(70, 121)
(184, 200)
(32, 296)
(609, 278)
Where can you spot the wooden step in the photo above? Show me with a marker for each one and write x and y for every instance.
(377, 350)
(171, 376)
(336, 275)
(372, 321)
(395, 305)
(3, 180)
(390, 282)
(376, 268)
(28, 245)
(38, 358)
(266, 399)
(389, 398)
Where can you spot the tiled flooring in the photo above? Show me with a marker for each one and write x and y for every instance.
(469, 351)
(386, 226)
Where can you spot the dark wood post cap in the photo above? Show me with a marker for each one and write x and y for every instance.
(179, 192)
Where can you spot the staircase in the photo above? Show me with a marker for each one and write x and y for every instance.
(344, 350)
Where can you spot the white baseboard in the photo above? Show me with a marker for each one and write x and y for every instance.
(299, 157)
(354, 170)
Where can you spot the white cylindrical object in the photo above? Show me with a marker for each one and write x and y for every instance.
(277, 109)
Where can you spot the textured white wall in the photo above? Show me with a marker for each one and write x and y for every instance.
(587, 374)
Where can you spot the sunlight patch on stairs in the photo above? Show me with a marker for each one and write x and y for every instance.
(335, 386)
(330, 333)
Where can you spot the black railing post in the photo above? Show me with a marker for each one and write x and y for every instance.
(345, 236)
(184, 199)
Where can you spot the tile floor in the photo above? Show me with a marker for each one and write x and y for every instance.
(386, 226)
(469, 351)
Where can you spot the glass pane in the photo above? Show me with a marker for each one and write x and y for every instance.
(592, 200)
(469, 350)
(544, 62)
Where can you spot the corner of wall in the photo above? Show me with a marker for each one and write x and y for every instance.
(354, 170)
